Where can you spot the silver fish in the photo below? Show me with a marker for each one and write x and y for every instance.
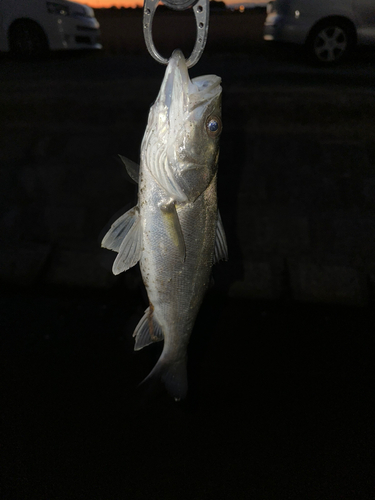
(175, 231)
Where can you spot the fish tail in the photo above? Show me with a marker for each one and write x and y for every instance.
(173, 374)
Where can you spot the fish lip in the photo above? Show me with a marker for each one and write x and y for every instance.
(206, 83)
(178, 68)
(177, 59)
(178, 90)
(175, 86)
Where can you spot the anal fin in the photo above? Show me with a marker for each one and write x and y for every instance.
(147, 331)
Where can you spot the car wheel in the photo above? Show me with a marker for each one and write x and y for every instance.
(329, 42)
(27, 39)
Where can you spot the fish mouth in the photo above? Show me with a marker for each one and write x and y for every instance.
(206, 89)
(180, 94)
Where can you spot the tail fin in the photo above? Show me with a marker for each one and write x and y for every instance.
(173, 374)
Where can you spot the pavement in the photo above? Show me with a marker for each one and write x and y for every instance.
(280, 401)
(281, 377)
(295, 176)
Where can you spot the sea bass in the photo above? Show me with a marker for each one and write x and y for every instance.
(175, 231)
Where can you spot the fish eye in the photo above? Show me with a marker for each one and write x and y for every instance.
(213, 126)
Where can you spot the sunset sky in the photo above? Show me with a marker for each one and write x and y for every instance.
(134, 3)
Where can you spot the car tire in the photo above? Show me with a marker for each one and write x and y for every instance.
(330, 41)
(27, 39)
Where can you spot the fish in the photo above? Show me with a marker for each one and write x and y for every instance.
(175, 231)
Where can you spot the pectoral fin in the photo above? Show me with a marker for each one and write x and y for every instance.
(173, 226)
(147, 331)
(132, 168)
(221, 249)
(130, 250)
(119, 229)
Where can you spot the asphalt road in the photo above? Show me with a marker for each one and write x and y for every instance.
(264, 64)
(281, 394)
(279, 405)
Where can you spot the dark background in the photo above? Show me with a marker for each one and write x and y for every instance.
(279, 403)
(281, 376)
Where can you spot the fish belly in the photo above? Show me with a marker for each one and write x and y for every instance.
(176, 287)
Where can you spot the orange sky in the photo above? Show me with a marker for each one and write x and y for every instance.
(109, 3)
(134, 3)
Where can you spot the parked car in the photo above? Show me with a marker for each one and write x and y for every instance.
(34, 27)
(328, 28)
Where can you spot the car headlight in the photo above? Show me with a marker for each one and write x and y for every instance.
(57, 8)
(89, 11)
(82, 11)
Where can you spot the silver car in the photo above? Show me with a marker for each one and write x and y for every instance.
(32, 27)
(328, 28)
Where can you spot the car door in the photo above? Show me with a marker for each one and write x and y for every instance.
(364, 11)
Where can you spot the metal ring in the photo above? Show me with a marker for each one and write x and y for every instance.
(179, 4)
(202, 14)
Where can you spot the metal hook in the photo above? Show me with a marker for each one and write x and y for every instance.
(202, 13)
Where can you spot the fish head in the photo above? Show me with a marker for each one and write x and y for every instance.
(181, 143)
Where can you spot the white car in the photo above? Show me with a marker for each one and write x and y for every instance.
(32, 27)
(328, 28)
